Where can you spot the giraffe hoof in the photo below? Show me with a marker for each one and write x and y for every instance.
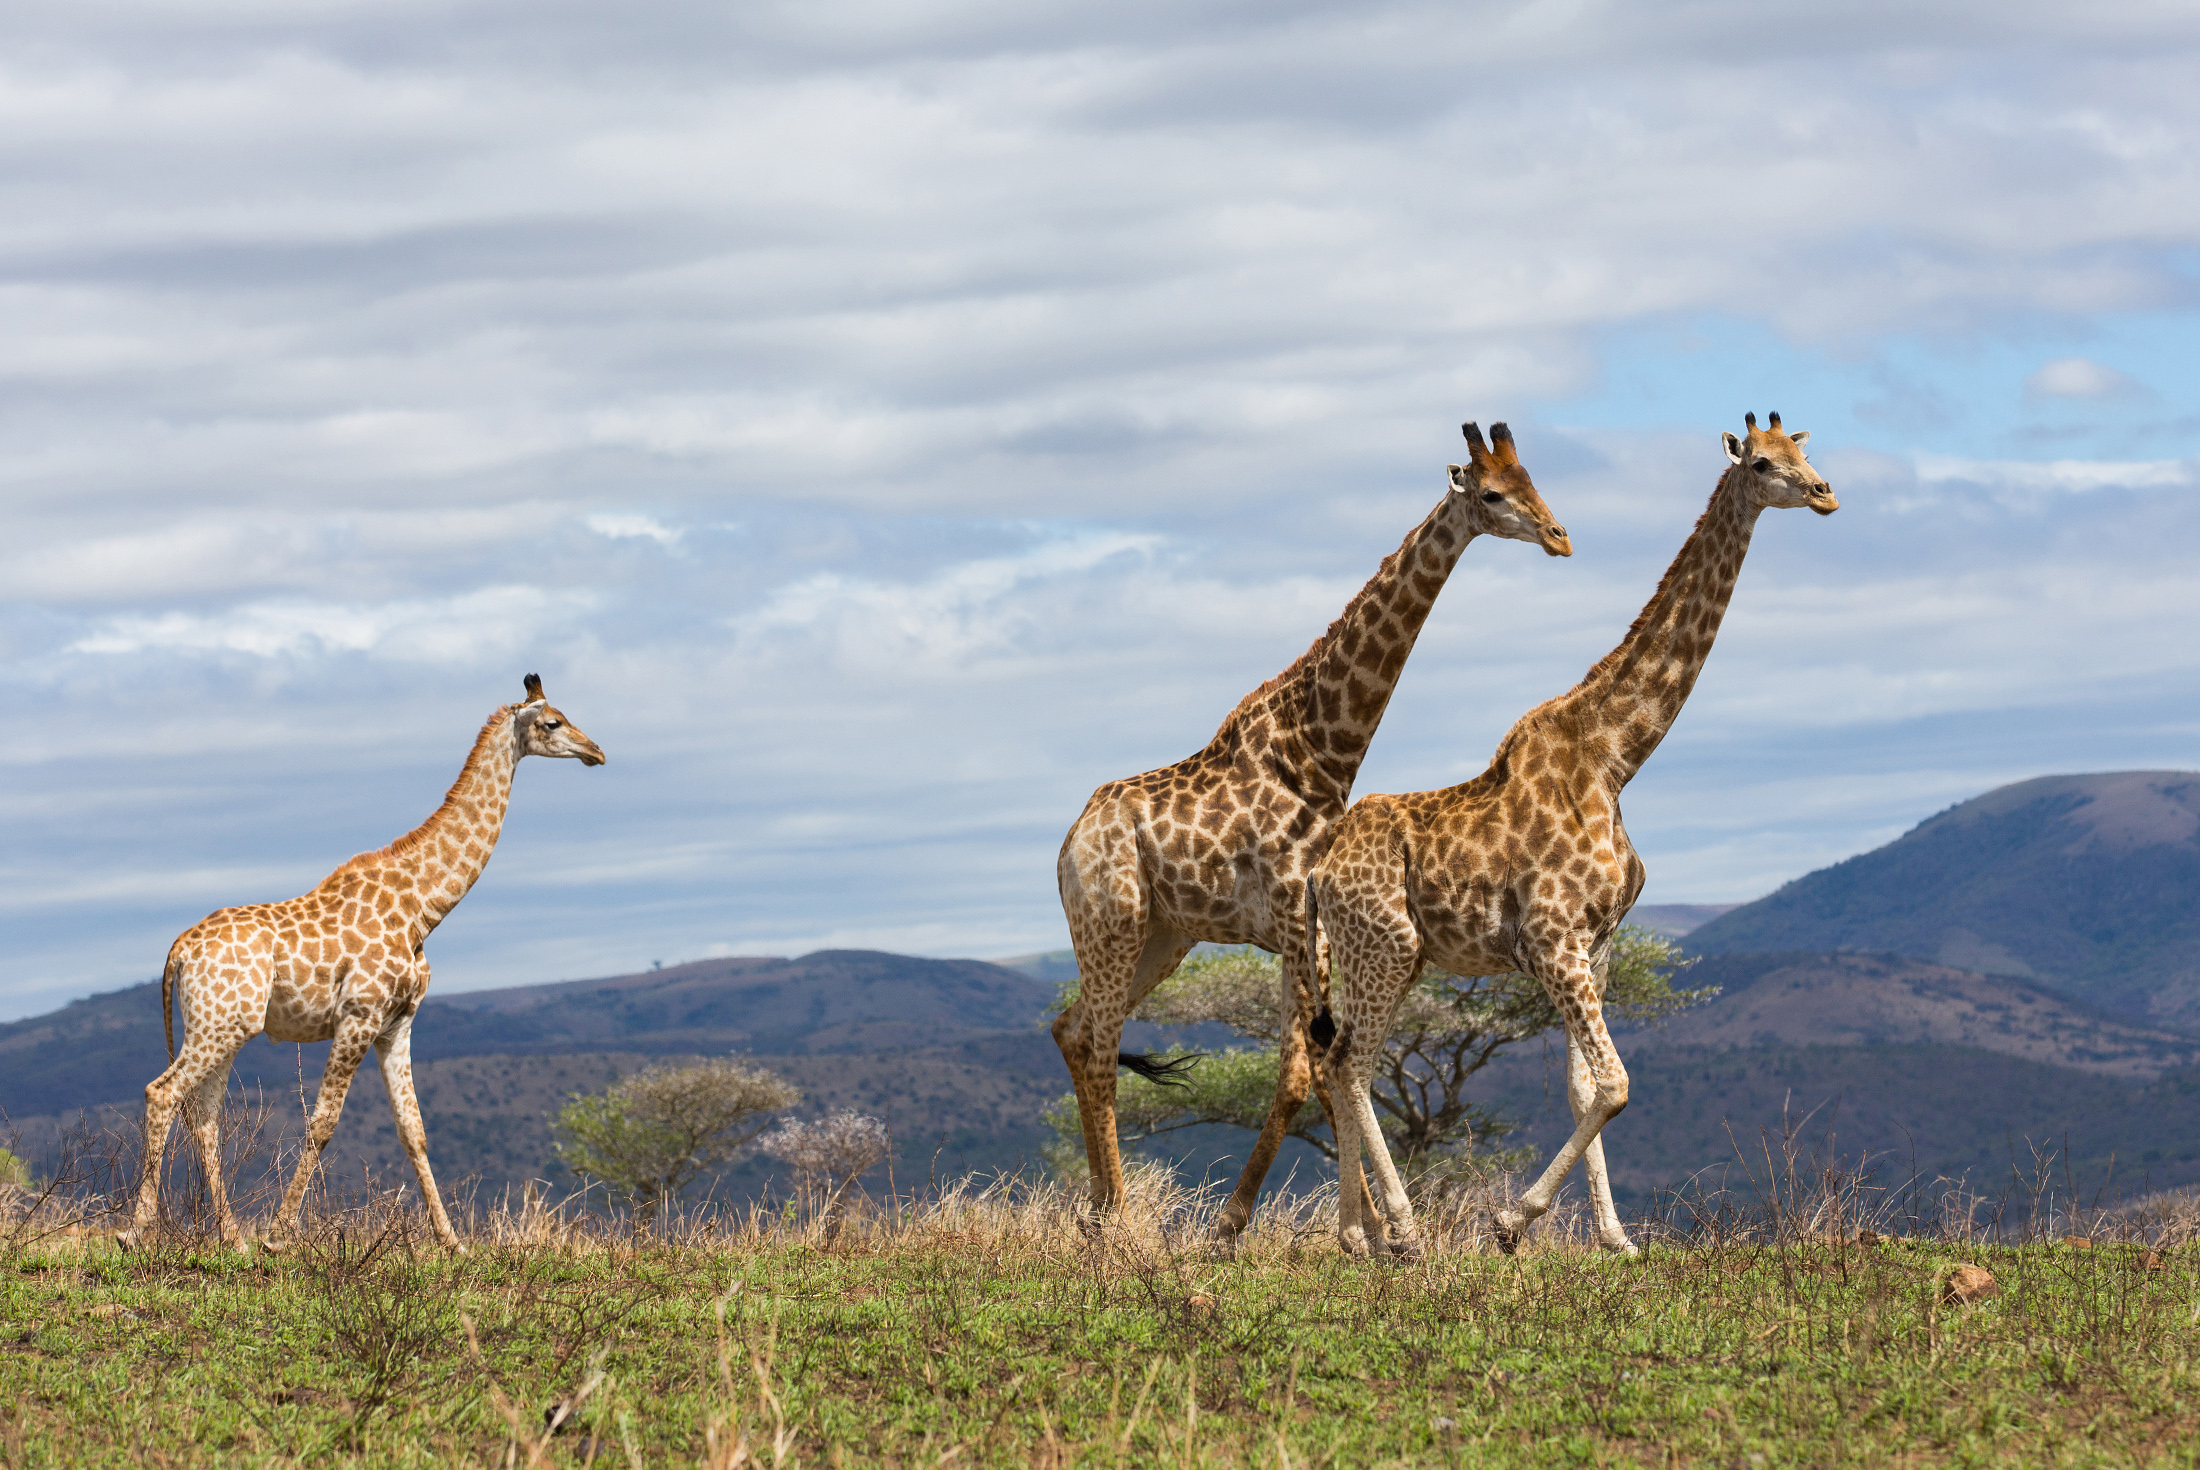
(1405, 1249)
(126, 1241)
(1353, 1243)
(1509, 1226)
(1622, 1246)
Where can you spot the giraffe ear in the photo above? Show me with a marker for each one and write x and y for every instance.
(534, 689)
(1801, 437)
(1733, 446)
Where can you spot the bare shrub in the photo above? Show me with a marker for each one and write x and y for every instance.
(829, 1155)
(384, 1317)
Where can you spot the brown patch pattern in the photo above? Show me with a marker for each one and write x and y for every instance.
(1527, 867)
(344, 962)
(1217, 847)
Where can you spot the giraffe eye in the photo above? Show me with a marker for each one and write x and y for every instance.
(1762, 466)
(1491, 497)
(549, 724)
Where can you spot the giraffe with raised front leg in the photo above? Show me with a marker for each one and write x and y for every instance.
(1527, 867)
(1217, 846)
(344, 963)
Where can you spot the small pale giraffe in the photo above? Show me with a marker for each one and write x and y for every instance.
(343, 962)
(1527, 866)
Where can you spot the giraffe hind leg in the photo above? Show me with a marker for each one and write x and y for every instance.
(204, 1118)
(192, 1084)
(1160, 953)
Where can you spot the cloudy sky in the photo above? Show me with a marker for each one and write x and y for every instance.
(882, 423)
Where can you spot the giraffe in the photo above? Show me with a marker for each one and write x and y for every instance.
(344, 961)
(1527, 867)
(1217, 846)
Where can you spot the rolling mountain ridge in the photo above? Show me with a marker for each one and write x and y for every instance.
(2089, 885)
(2017, 970)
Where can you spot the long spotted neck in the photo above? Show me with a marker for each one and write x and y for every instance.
(1327, 705)
(1635, 692)
(447, 852)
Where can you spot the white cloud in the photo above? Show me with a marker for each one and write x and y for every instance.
(463, 629)
(979, 618)
(2072, 475)
(631, 527)
(2076, 377)
(1065, 369)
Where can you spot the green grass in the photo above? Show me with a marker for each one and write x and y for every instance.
(984, 1332)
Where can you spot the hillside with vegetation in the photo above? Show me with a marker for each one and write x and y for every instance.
(2087, 884)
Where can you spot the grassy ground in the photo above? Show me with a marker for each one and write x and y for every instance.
(986, 1330)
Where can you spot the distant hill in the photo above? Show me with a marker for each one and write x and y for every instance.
(1951, 1069)
(106, 1048)
(836, 1000)
(1675, 919)
(1929, 1068)
(952, 1054)
(2089, 885)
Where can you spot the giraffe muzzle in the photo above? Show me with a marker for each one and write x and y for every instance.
(1822, 500)
(1556, 542)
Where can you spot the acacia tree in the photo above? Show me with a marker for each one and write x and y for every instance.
(651, 1135)
(1448, 1028)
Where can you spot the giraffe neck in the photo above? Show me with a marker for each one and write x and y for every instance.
(1324, 709)
(447, 852)
(1635, 692)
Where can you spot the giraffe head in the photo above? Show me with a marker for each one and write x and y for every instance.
(1499, 496)
(543, 729)
(1775, 474)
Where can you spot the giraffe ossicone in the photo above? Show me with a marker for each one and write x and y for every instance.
(343, 963)
(1217, 846)
(1527, 867)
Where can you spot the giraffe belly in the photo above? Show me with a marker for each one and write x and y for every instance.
(302, 1008)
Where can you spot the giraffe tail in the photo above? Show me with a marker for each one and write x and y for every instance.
(1168, 1073)
(169, 974)
(1322, 1030)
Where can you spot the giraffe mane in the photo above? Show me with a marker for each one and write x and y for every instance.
(1535, 716)
(1300, 671)
(415, 838)
(1657, 597)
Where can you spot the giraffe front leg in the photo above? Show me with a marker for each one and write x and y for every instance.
(394, 1049)
(1571, 983)
(1294, 1078)
(355, 1035)
(1581, 1094)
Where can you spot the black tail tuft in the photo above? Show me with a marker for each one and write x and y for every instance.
(1168, 1074)
(1322, 1030)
